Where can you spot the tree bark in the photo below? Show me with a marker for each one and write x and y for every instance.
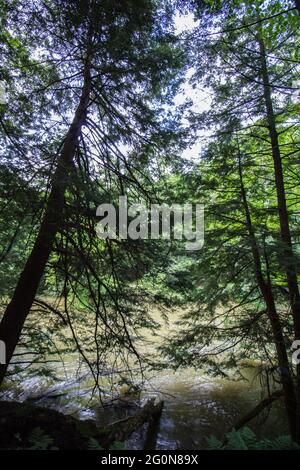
(17, 310)
(151, 413)
(262, 405)
(150, 442)
(278, 338)
(287, 259)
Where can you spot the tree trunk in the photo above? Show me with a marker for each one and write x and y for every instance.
(150, 442)
(287, 259)
(151, 413)
(262, 405)
(17, 310)
(278, 338)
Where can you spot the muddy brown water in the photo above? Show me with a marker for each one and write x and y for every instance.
(196, 406)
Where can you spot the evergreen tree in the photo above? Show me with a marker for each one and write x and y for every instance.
(112, 66)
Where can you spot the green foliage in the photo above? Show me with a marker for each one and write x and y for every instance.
(89, 285)
(94, 296)
(93, 444)
(245, 439)
(117, 446)
(227, 322)
(39, 440)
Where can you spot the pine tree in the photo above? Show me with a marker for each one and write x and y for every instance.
(109, 64)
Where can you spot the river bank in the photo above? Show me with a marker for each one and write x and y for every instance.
(195, 407)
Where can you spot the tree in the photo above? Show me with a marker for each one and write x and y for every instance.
(108, 66)
(237, 57)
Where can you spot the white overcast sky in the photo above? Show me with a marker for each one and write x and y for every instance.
(199, 96)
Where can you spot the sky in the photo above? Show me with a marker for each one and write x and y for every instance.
(200, 97)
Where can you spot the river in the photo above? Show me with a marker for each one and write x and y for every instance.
(196, 406)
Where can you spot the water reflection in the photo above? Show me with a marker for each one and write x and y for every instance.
(197, 407)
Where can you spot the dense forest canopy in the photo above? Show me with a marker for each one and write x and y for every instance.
(103, 100)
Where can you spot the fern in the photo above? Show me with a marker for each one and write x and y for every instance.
(93, 444)
(39, 440)
(117, 446)
(214, 443)
(245, 439)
